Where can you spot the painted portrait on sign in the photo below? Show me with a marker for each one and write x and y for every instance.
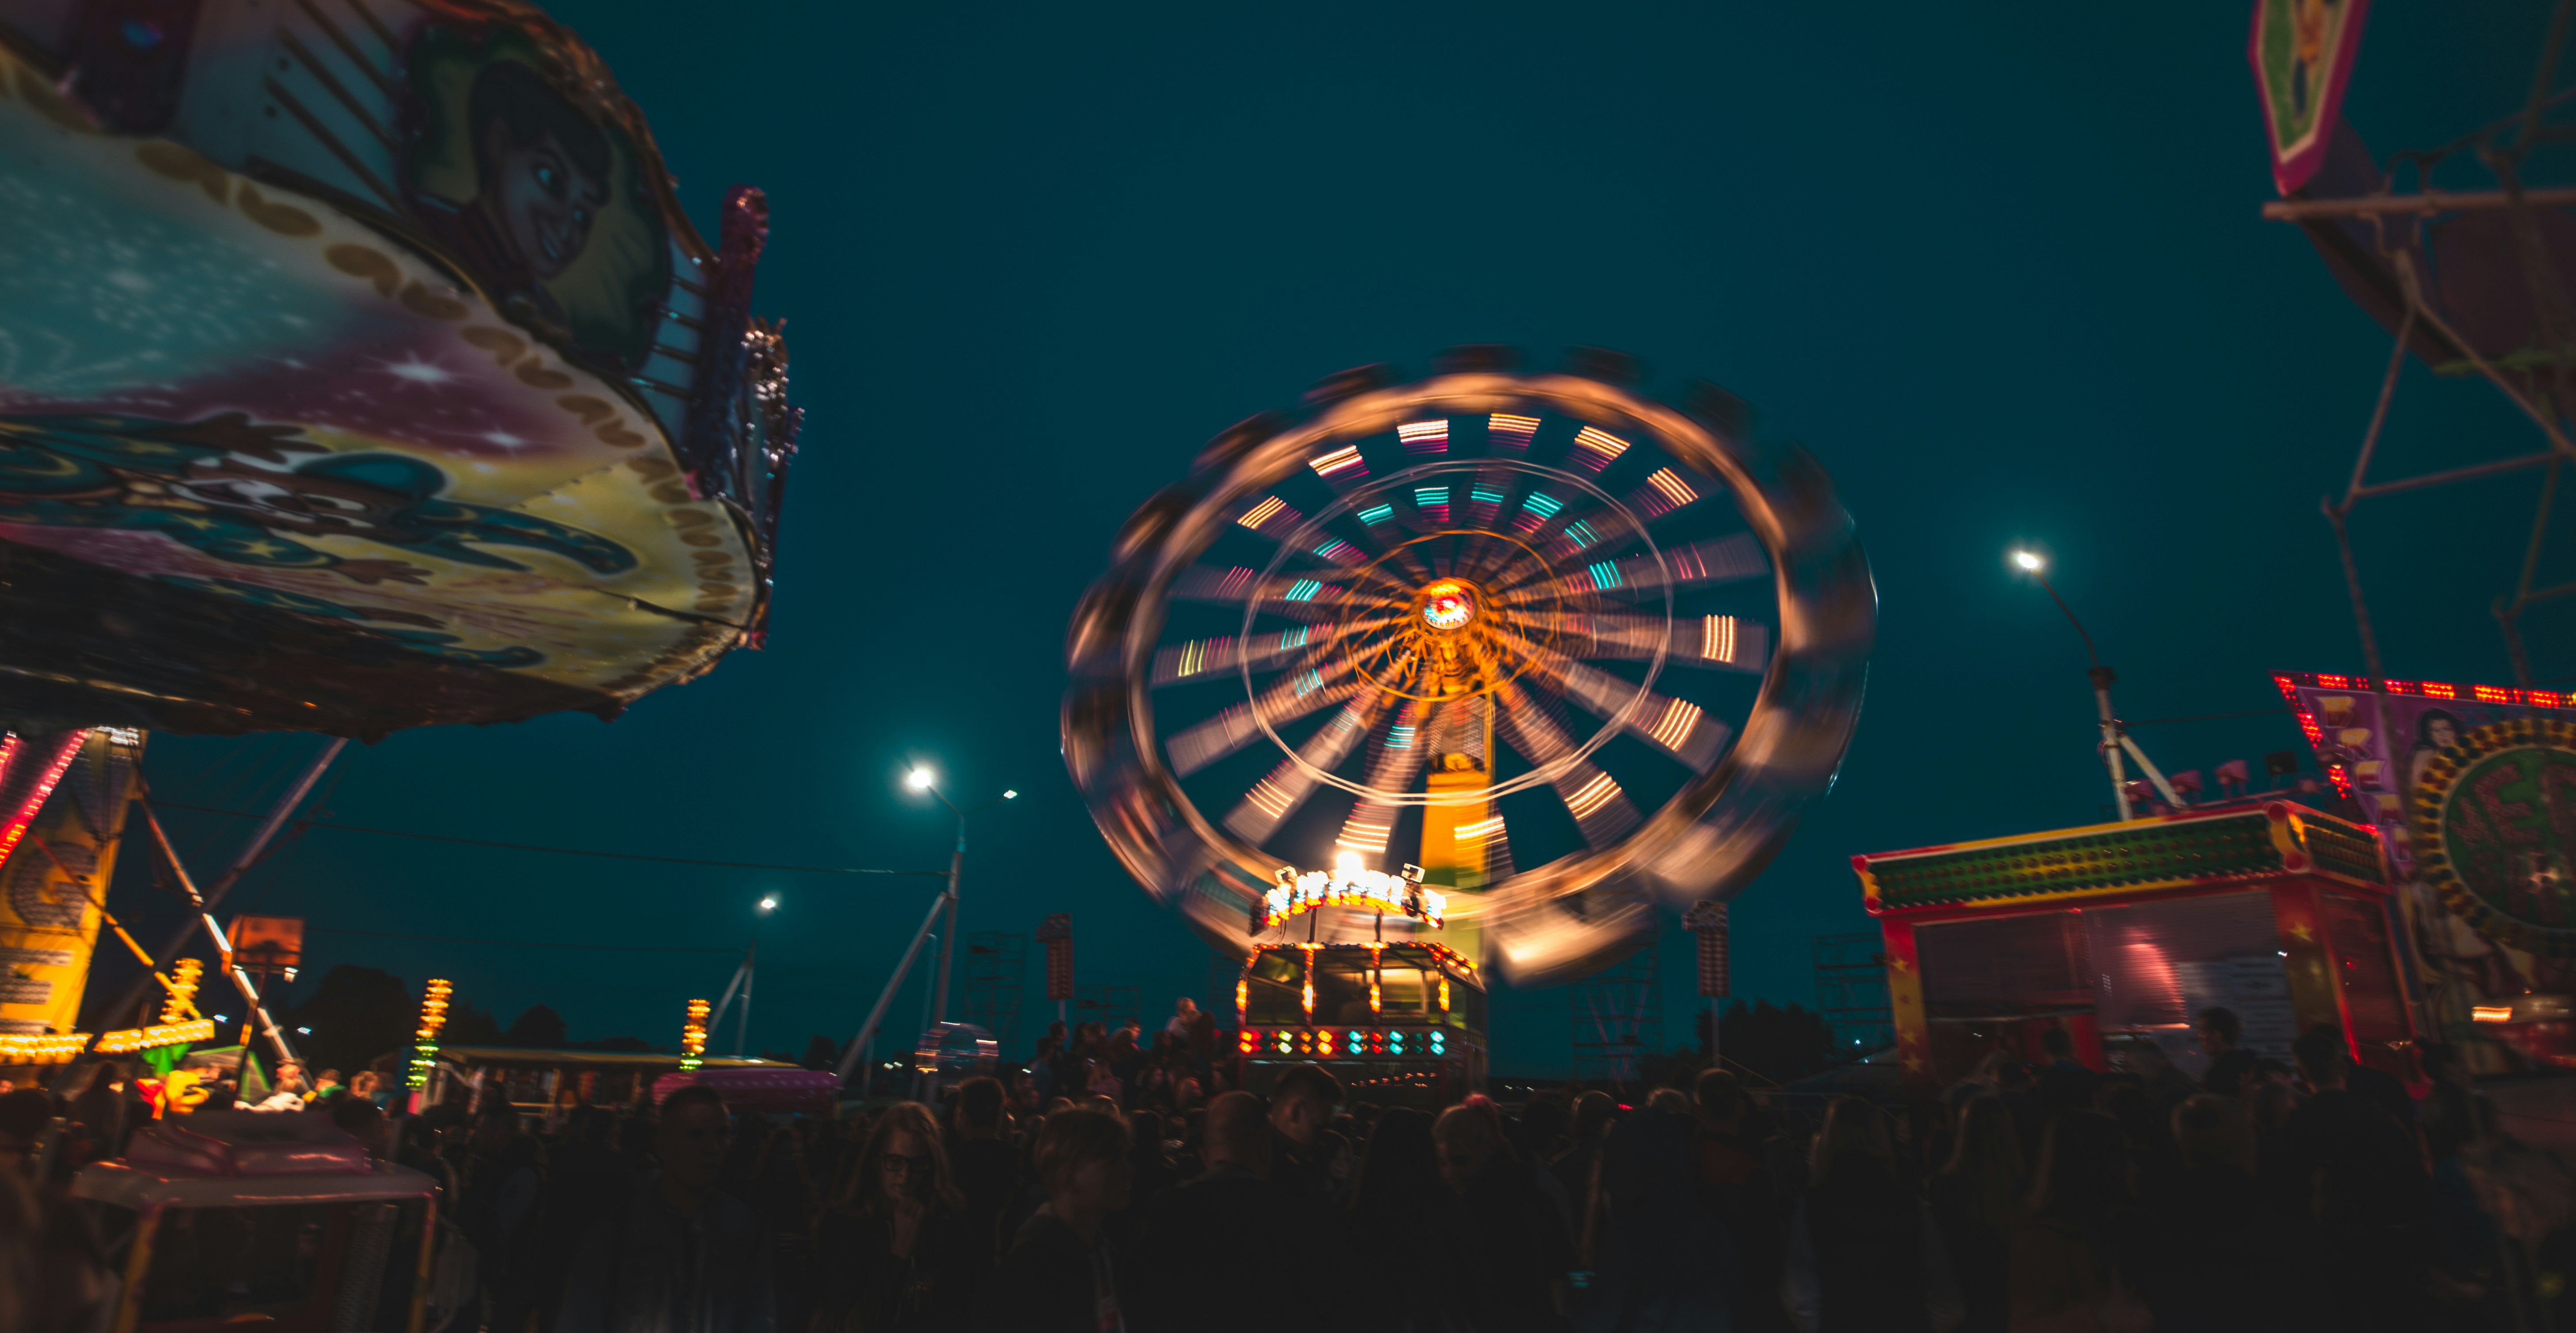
(538, 190)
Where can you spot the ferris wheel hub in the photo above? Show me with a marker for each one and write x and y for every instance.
(1448, 606)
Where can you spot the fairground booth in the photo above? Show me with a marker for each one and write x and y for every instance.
(2123, 932)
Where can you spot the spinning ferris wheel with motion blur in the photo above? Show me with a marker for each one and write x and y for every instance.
(1552, 647)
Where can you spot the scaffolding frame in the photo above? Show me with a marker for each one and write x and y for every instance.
(996, 969)
(1618, 1019)
(2502, 147)
(1851, 989)
(1109, 1006)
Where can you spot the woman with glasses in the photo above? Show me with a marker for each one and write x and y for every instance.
(896, 1251)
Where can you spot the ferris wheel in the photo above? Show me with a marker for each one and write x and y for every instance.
(1553, 646)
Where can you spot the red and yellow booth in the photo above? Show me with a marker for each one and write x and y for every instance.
(2126, 931)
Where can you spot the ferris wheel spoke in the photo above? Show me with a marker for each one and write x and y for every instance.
(1195, 747)
(1392, 769)
(1600, 809)
(1677, 727)
(1731, 559)
(1280, 594)
(1724, 643)
(1283, 789)
(1198, 659)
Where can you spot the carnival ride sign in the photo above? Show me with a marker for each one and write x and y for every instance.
(2495, 830)
(1350, 886)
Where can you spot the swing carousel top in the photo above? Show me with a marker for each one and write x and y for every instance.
(359, 370)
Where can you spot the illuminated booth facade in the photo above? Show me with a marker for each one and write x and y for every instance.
(2124, 932)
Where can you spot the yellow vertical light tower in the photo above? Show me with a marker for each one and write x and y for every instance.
(433, 1016)
(57, 877)
(693, 1035)
(180, 1004)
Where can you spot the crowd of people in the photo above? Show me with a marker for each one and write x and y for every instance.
(1094, 1190)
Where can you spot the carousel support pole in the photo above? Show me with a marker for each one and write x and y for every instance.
(742, 1026)
(206, 903)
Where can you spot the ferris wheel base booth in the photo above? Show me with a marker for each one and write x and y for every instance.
(2122, 933)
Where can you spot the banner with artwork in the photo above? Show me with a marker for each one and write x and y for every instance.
(53, 882)
(2476, 809)
(2302, 52)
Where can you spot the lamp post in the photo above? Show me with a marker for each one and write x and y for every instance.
(751, 961)
(2115, 738)
(922, 779)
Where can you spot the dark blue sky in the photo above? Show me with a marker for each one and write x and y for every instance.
(2005, 278)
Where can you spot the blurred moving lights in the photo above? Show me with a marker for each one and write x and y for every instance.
(433, 1016)
(1349, 886)
(693, 1035)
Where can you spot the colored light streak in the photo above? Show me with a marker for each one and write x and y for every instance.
(1343, 460)
(1592, 795)
(41, 1048)
(1303, 590)
(1717, 638)
(1269, 508)
(180, 1004)
(1662, 493)
(693, 1035)
(1424, 437)
(1680, 719)
(1506, 431)
(1376, 514)
(1605, 575)
(1595, 448)
(127, 1040)
(1433, 501)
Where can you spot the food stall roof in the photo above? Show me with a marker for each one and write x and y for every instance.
(2189, 848)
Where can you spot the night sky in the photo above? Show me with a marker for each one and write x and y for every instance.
(2005, 278)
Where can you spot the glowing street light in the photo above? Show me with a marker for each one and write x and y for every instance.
(920, 779)
(769, 904)
(2115, 737)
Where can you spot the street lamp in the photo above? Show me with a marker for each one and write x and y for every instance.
(922, 779)
(2115, 738)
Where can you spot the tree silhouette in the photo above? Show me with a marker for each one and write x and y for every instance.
(356, 1014)
(539, 1028)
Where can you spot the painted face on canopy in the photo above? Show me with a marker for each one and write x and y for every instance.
(545, 202)
(2444, 734)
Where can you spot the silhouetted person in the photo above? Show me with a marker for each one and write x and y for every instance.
(987, 1167)
(1660, 1258)
(2068, 1267)
(1864, 1256)
(1736, 1183)
(1301, 1103)
(2213, 1253)
(1398, 1186)
(2229, 1064)
(2356, 1171)
(2064, 1083)
(1191, 1269)
(898, 1251)
(1590, 1125)
(1503, 1257)
(680, 1256)
(1059, 1276)
(1977, 1197)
